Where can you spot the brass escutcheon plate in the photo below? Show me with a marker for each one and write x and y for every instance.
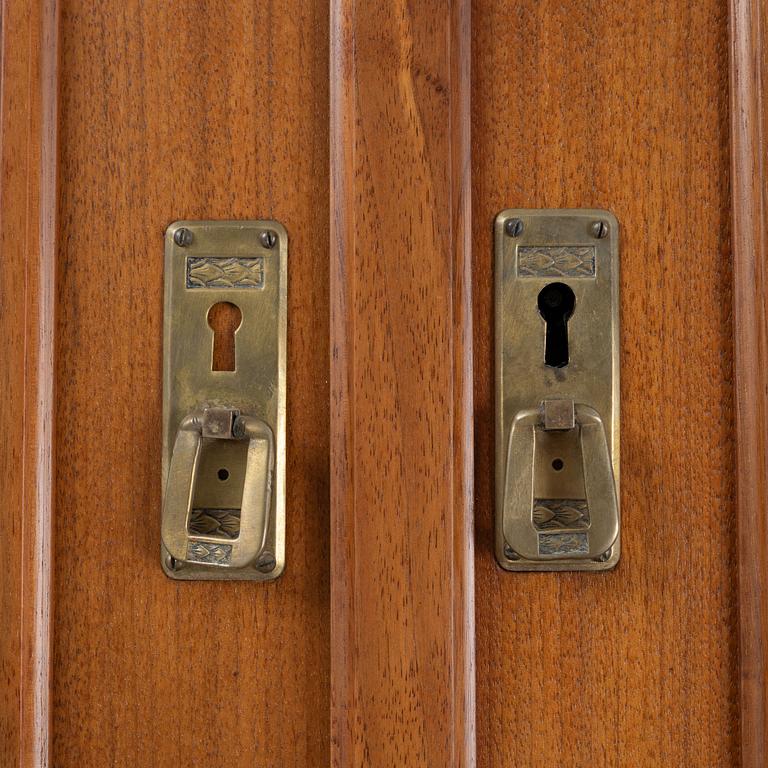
(243, 263)
(557, 422)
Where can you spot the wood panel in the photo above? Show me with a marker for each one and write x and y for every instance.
(402, 611)
(621, 106)
(749, 156)
(27, 243)
(174, 110)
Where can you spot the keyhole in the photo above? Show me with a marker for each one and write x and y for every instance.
(224, 319)
(556, 302)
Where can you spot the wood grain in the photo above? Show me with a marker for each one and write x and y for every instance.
(168, 111)
(28, 135)
(401, 450)
(621, 106)
(749, 156)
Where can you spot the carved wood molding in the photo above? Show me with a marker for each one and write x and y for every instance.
(402, 647)
(749, 154)
(28, 242)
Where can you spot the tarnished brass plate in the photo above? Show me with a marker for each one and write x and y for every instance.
(243, 263)
(557, 422)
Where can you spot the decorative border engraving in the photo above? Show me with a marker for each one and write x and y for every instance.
(560, 513)
(215, 522)
(206, 552)
(224, 272)
(556, 261)
(563, 543)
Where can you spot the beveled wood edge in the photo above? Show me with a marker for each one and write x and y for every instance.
(342, 444)
(34, 40)
(465, 730)
(346, 706)
(750, 289)
(38, 506)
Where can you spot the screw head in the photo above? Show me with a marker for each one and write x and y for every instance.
(266, 562)
(513, 227)
(599, 229)
(268, 238)
(171, 563)
(510, 553)
(605, 556)
(182, 237)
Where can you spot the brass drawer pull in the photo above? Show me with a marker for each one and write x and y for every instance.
(218, 550)
(545, 526)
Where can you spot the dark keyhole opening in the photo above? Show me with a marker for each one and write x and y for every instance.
(556, 303)
(224, 319)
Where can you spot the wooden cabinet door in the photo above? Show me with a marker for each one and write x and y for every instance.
(119, 118)
(598, 106)
(385, 137)
(654, 112)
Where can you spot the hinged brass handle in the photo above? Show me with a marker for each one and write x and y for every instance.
(218, 550)
(550, 526)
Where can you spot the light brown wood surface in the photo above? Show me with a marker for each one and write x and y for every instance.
(362, 654)
(27, 244)
(749, 158)
(621, 106)
(401, 452)
(168, 111)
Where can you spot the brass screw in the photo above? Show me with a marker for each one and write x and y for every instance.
(172, 563)
(268, 238)
(605, 556)
(510, 553)
(266, 562)
(513, 227)
(599, 229)
(182, 237)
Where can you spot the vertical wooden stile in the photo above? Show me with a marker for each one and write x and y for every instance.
(28, 148)
(401, 389)
(749, 154)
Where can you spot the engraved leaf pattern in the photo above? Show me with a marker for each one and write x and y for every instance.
(205, 552)
(556, 261)
(560, 513)
(215, 522)
(563, 543)
(219, 272)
